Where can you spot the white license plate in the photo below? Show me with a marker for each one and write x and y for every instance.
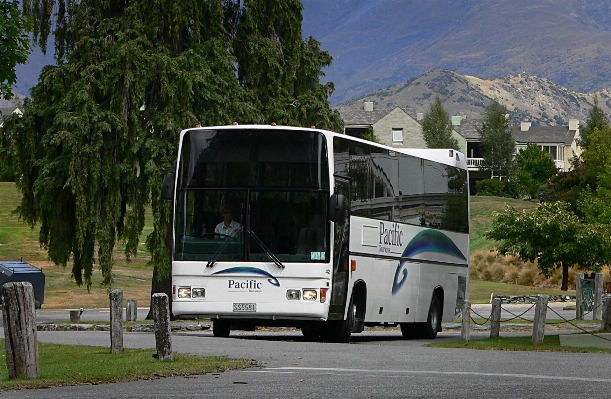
(244, 307)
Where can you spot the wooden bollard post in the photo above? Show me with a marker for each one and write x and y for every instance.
(21, 340)
(465, 330)
(579, 296)
(163, 333)
(75, 316)
(116, 321)
(495, 318)
(540, 316)
(606, 318)
(131, 310)
(597, 306)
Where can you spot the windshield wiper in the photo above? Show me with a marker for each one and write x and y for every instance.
(266, 250)
(212, 259)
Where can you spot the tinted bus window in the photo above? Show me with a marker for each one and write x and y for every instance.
(253, 158)
(411, 188)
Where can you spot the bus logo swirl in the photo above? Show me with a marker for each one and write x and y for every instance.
(425, 241)
(250, 270)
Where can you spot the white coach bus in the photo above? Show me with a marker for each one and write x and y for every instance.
(287, 226)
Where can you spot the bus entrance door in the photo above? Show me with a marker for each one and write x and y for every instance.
(340, 256)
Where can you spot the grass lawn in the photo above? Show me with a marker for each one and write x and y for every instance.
(481, 217)
(75, 365)
(551, 343)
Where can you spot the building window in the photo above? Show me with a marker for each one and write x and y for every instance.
(552, 150)
(397, 135)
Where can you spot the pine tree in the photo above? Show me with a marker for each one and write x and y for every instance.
(437, 127)
(596, 120)
(497, 141)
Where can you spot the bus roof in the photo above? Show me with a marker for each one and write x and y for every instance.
(445, 156)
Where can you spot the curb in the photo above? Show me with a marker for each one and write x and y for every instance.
(106, 327)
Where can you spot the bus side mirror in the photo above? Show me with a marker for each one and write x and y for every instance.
(167, 189)
(337, 208)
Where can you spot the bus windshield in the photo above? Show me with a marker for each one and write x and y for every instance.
(243, 195)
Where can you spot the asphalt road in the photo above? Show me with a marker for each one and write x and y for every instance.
(509, 311)
(376, 364)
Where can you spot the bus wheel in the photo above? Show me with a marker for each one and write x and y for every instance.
(343, 330)
(311, 332)
(433, 322)
(410, 330)
(221, 328)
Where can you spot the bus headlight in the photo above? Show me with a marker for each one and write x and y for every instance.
(198, 293)
(310, 295)
(293, 294)
(184, 292)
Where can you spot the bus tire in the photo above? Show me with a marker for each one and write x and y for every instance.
(410, 330)
(433, 321)
(343, 332)
(311, 332)
(221, 328)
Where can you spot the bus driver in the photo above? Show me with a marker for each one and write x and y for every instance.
(228, 227)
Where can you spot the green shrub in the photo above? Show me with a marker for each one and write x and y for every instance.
(493, 187)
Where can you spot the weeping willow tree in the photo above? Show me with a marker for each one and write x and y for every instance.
(101, 127)
(277, 67)
(14, 45)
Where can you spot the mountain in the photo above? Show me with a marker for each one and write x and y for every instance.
(381, 43)
(527, 98)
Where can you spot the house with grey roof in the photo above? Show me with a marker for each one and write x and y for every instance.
(394, 127)
(558, 141)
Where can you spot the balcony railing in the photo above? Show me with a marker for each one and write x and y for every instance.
(559, 165)
(475, 163)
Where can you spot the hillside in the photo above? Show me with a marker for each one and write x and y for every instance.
(381, 43)
(527, 98)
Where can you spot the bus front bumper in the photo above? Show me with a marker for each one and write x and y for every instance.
(265, 311)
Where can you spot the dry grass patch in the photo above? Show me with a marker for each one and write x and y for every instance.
(61, 292)
(18, 241)
(491, 266)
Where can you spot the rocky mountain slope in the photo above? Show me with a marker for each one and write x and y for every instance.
(526, 97)
(381, 43)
